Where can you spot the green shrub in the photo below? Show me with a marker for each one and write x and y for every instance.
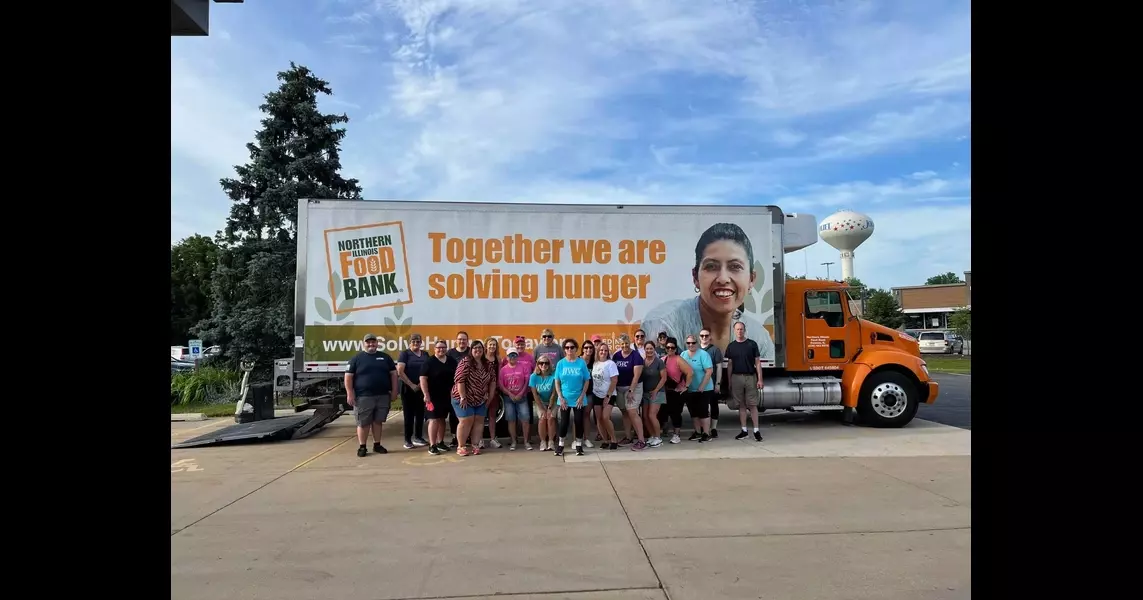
(205, 385)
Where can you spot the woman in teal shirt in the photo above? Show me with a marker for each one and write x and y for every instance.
(701, 392)
(542, 383)
(572, 376)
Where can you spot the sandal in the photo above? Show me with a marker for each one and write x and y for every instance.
(475, 451)
(462, 451)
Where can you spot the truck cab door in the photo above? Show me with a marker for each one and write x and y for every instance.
(830, 340)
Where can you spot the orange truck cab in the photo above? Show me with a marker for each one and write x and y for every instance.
(829, 359)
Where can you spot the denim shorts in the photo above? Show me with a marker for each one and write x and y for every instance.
(517, 411)
(471, 411)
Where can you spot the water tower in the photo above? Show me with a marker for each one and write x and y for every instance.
(846, 230)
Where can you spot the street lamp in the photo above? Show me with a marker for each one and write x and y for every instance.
(827, 264)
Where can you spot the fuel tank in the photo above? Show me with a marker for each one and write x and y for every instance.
(786, 391)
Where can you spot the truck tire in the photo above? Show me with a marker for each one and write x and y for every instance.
(888, 399)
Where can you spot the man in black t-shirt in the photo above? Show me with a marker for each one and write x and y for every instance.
(370, 381)
(744, 361)
(462, 350)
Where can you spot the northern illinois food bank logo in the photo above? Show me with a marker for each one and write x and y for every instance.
(370, 265)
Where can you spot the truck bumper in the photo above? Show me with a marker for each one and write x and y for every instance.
(934, 390)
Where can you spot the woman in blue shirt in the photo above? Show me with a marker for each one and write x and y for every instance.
(701, 390)
(572, 376)
(543, 386)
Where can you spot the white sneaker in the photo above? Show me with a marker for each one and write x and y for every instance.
(675, 439)
(588, 443)
(495, 444)
(654, 442)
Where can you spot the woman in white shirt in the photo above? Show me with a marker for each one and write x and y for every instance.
(604, 377)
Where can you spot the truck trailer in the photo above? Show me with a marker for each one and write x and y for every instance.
(500, 270)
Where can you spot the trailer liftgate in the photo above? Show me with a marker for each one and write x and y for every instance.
(294, 427)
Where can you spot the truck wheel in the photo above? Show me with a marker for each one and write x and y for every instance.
(888, 399)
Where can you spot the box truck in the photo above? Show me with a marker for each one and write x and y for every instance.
(501, 270)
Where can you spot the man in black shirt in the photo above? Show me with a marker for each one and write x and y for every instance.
(370, 380)
(462, 350)
(744, 361)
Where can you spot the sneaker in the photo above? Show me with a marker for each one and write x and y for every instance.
(741, 435)
(512, 447)
(613, 446)
(492, 443)
(588, 444)
(527, 445)
(434, 450)
(379, 449)
(713, 433)
(419, 441)
(675, 439)
(694, 436)
(361, 451)
(758, 436)
(655, 442)
(443, 447)
(409, 445)
(625, 441)
(638, 446)
(705, 438)
(559, 450)
(598, 437)
(453, 443)
(579, 450)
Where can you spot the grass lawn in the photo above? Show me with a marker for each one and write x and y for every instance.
(948, 364)
(227, 409)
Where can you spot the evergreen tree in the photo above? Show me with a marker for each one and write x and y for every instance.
(296, 154)
(193, 262)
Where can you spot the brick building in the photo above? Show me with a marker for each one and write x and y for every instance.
(929, 306)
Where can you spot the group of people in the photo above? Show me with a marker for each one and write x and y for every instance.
(569, 387)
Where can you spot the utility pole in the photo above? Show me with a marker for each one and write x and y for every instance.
(827, 264)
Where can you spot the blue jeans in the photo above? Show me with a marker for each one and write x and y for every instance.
(517, 411)
(472, 411)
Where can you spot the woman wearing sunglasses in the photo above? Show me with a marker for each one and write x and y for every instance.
(587, 352)
(572, 376)
(542, 385)
(474, 384)
(679, 375)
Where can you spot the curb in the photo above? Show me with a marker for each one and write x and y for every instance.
(187, 417)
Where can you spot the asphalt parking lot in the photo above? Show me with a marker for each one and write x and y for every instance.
(954, 405)
(817, 510)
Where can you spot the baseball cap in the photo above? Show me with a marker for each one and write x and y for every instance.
(596, 338)
(513, 353)
(369, 336)
(520, 338)
(547, 332)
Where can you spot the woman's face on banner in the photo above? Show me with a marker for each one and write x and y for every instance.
(724, 276)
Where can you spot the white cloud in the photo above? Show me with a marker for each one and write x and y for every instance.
(811, 105)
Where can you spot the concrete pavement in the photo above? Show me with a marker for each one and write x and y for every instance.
(817, 510)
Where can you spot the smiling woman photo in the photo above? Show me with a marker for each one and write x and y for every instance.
(723, 275)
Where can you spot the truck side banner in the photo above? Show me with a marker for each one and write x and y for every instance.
(436, 269)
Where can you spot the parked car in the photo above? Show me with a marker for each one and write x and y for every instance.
(940, 342)
(178, 366)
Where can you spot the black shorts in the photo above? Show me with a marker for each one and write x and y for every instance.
(698, 403)
(440, 410)
(597, 401)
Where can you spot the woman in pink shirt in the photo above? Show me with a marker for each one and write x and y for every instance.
(514, 376)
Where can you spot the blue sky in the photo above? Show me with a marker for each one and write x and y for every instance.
(812, 106)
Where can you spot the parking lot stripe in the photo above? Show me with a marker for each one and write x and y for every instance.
(319, 455)
(300, 465)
